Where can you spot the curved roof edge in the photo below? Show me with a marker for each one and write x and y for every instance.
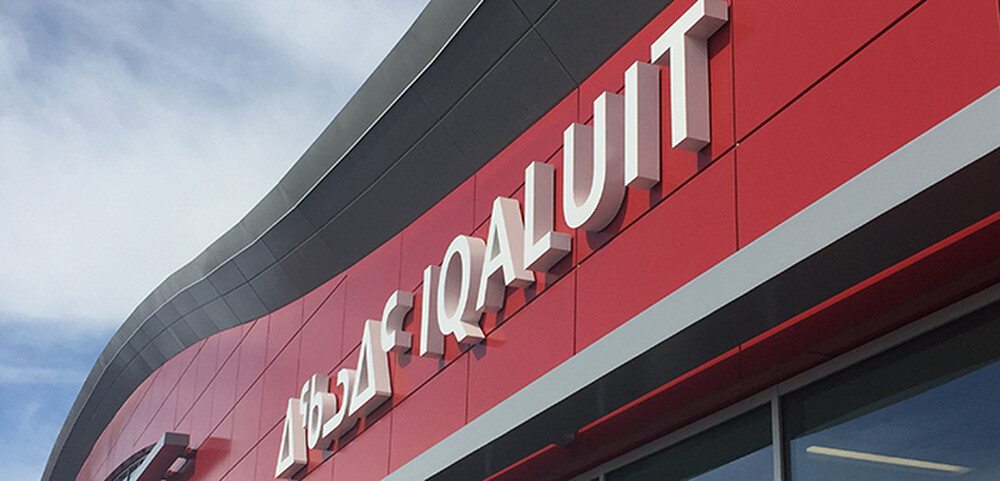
(411, 133)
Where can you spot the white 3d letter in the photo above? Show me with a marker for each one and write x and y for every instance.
(304, 396)
(543, 246)
(642, 126)
(593, 173)
(292, 453)
(394, 338)
(340, 422)
(686, 42)
(322, 404)
(431, 338)
(458, 288)
(371, 383)
(504, 260)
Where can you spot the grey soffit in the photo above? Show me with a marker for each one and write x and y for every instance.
(466, 79)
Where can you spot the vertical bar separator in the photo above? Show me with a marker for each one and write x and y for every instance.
(777, 437)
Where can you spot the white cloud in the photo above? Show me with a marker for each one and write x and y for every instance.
(40, 375)
(133, 134)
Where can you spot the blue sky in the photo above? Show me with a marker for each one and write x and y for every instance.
(132, 135)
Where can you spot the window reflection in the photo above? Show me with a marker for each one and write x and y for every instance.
(922, 412)
(737, 449)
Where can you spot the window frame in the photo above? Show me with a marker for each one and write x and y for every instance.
(774, 394)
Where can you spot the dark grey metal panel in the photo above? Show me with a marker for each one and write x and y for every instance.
(128, 351)
(152, 356)
(336, 191)
(226, 278)
(200, 323)
(311, 263)
(253, 260)
(148, 306)
(424, 176)
(168, 314)
(486, 37)
(508, 99)
(584, 33)
(245, 303)
(184, 302)
(183, 332)
(167, 344)
(203, 292)
(274, 288)
(265, 213)
(202, 264)
(386, 142)
(140, 338)
(292, 230)
(357, 232)
(221, 315)
(533, 9)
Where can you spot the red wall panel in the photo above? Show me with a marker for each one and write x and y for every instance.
(321, 348)
(867, 108)
(281, 381)
(281, 326)
(426, 239)
(252, 355)
(186, 390)
(224, 396)
(528, 345)
(244, 469)
(366, 458)
(682, 237)
(432, 413)
(369, 283)
(784, 46)
(246, 428)
(267, 454)
(212, 461)
(315, 298)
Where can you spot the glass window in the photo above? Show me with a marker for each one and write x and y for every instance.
(737, 449)
(923, 411)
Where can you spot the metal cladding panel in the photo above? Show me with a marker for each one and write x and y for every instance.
(495, 112)
(582, 34)
(310, 263)
(274, 288)
(356, 232)
(168, 314)
(429, 171)
(220, 314)
(152, 327)
(291, 231)
(282, 253)
(203, 292)
(369, 159)
(534, 9)
(487, 37)
(185, 302)
(167, 344)
(200, 323)
(253, 259)
(245, 303)
(226, 278)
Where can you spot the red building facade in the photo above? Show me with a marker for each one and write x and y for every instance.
(845, 212)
